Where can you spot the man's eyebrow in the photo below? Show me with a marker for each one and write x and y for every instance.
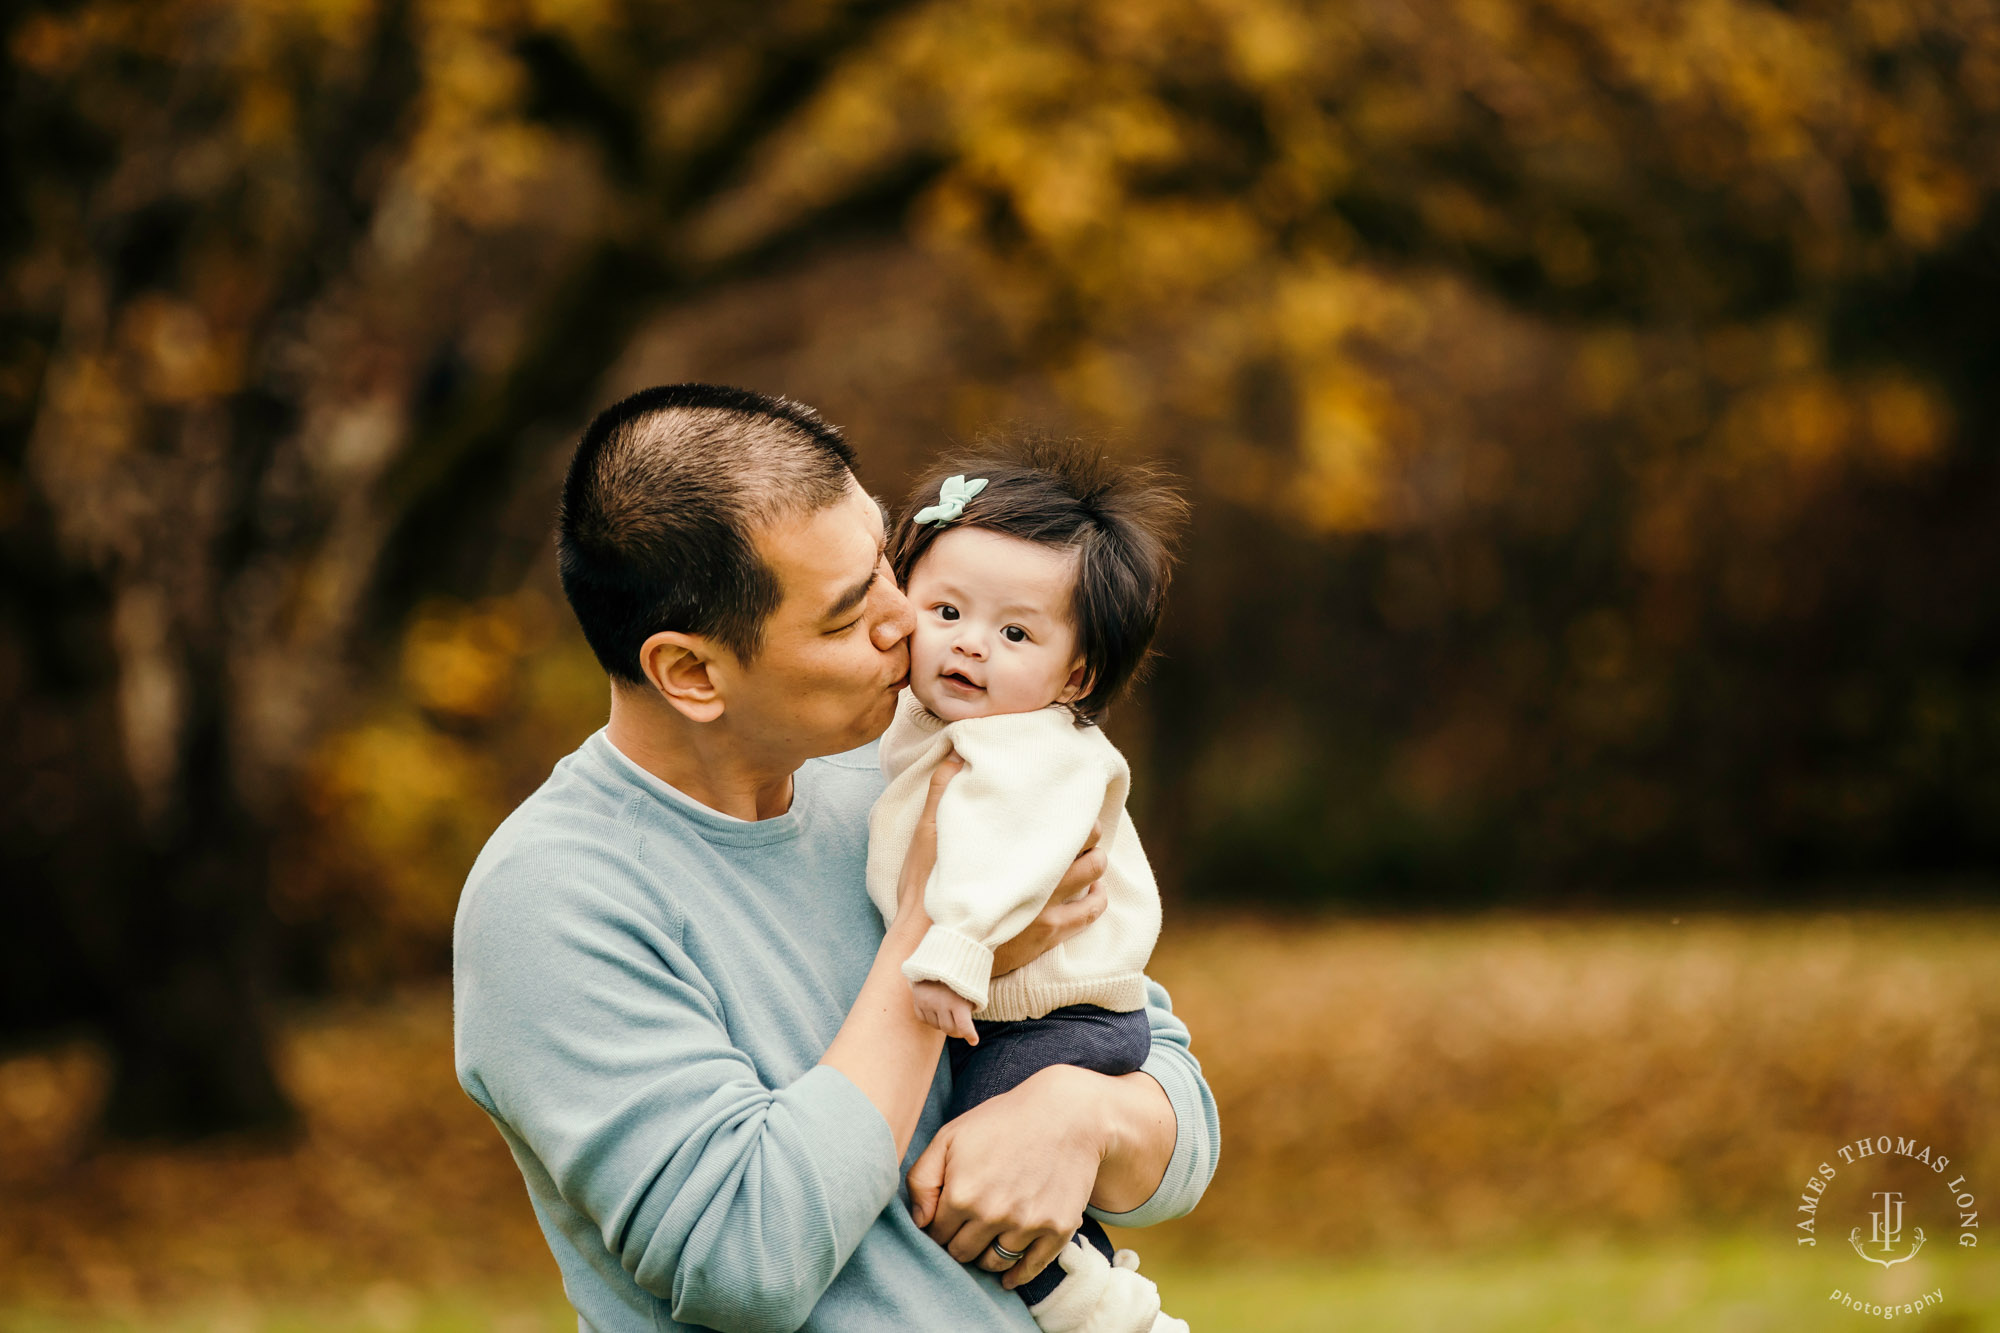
(852, 597)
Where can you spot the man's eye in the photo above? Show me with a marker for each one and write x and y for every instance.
(947, 612)
(844, 628)
(1015, 634)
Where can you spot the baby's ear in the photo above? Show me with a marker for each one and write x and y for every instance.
(1077, 685)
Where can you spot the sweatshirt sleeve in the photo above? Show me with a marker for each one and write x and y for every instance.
(586, 1030)
(1198, 1130)
(1008, 827)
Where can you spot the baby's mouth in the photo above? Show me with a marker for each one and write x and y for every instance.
(959, 679)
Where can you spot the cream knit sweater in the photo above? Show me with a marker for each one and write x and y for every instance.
(1008, 827)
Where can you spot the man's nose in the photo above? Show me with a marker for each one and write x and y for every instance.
(897, 619)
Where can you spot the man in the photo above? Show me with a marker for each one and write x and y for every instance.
(672, 993)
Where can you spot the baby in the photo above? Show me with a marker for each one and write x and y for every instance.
(1037, 582)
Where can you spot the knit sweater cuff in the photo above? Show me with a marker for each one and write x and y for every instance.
(959, 961)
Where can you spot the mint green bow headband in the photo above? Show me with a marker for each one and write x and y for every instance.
(951, 500)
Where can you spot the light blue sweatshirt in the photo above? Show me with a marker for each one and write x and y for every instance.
(643, 988)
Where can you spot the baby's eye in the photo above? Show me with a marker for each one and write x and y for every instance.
(1015, 634)
(946, 611)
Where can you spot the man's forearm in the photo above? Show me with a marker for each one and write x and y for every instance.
(884, 1048)
(1140, 1131)
(1197, 1132)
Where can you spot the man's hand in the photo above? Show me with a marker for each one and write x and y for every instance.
(921, 859)
(1017, 1169)
(944, 1009)
(881, 1046)
(1078, 900)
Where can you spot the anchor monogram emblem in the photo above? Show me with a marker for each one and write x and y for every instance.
(1886, 1231)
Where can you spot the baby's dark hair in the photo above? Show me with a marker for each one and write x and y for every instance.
(1120, 519)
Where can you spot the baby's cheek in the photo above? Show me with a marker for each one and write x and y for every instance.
(923, 644)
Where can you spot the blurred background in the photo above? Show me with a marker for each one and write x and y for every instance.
(1574, 767)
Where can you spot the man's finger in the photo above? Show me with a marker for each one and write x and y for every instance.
(1080, 912)
(1086, 870)
(941, 777)
(923, 844)
(1098, 903)
(926, 1182)
(1016, 1242)
(922, 855)
(946, 1216)
(1039, 1256)
(972, 1240)
(946, 1222)
(1067, 919)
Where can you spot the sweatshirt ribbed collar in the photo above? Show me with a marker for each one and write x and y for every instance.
(676, 806)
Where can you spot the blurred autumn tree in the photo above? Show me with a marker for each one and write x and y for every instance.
(1591, 405)
(293, 287)
(1601, 399)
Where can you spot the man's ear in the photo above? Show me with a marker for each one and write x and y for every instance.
(1077, 685)
(677, 666)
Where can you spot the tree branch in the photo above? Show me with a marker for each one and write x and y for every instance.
(791, 76)
(344, 145)
(453, 479)
(565, 92)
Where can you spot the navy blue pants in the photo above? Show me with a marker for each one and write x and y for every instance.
(1007, 1053)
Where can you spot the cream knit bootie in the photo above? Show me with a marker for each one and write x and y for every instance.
(1100, 1295)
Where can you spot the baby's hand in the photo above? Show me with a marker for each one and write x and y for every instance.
(944, 1009)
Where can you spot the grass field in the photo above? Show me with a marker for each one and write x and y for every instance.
(1741, 1285)
(1465, 1084)
(1476, 1126)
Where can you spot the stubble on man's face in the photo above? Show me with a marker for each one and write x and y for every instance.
(835, 651)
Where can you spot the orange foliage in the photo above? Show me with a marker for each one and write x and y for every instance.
(1381, 1087)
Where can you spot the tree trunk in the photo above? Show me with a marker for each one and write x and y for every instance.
(155, 931)
(188, 1030)
(189, 1022)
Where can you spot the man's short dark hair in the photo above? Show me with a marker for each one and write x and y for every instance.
(1119, 518)
(660, 508)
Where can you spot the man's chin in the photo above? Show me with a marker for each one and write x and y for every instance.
(878, 717)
